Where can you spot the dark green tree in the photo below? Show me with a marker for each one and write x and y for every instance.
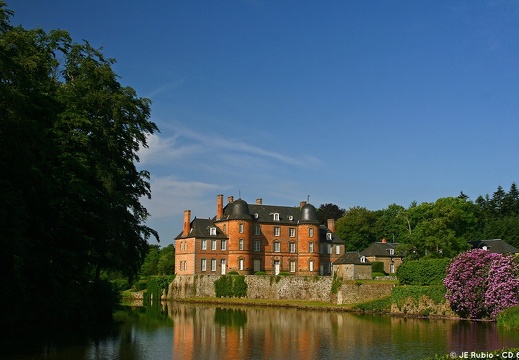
(69, 135)
(356, 228)
(329, 211)
(166, 265)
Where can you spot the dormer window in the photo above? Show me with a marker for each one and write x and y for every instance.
(276, 216)
(485, 248)
(363, 259)
(212, 231)
(328, 236)
(391, 251)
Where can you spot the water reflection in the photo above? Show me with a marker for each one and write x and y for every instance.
(183, 331)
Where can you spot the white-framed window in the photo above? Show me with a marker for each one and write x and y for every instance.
(240, 244)
(212, 231)
(292, 266)
(328, 236)
(277, 231)
(292, 247)
(223, 245)
(310, 232)
(257, 245)
(292, 232)
(241, 228)
(311, 247)
(276, 216)
(362, 259)
(203, 244)
(337, 250)
(329, 249)
(241, 264)
(391, 251)
(311, 265)
(213, 244)
(213, 264)
(257, 230)
(203, 264)
(277, 246)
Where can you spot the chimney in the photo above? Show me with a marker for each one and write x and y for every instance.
(219, 206)
(384, 240)
(187, 222)
(230, 199)
(331, 225)
(301, 204)
(259, 201)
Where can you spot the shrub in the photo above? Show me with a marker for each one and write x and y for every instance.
(481, 284)
(260, 273)
(233, 273)
(140, 285)
(230, 286)
(375, 274)
(422, 272)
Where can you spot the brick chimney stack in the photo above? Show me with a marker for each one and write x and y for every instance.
(259, 201)
(219, 206)
(301, 204)
(331, 225)
(384, 240)
(187, 222)
(230, 199)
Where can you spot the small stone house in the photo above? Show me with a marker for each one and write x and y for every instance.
(384, 252)
(353, 266)
(495, 246)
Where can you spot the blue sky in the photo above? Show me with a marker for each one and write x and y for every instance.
(356, 103)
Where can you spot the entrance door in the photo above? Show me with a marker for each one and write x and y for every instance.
(257, 265)
(276, 267)
(223, 266)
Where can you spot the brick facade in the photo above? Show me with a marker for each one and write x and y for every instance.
(247, 238)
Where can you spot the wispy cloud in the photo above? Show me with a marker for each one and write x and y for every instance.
(185, 143)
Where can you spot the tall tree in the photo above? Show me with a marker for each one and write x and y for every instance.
(69, 135)
(356, 228)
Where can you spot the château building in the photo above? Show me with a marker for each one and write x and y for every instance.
(248, 238)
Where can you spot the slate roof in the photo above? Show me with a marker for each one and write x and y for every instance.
(495, 246)
(323, 231)
(261, 213)
(352, 258)
(200, 228)
(380, 249)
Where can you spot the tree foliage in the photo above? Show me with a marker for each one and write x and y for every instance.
(329, 211)
(69, 136)
(356, 228)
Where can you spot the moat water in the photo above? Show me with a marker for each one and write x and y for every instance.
(187, 331)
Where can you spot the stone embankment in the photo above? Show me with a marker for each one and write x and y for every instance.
(269, 287)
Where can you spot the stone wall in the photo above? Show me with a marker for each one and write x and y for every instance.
(269, 287)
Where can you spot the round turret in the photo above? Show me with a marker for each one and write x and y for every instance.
(309, 214)
(238, 209)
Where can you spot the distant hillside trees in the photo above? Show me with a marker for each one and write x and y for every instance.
(437, 229)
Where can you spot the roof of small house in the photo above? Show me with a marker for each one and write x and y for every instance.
(353, 257)
(494, 246)
(380, 249)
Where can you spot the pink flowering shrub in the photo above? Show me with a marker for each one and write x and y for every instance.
(480, 284)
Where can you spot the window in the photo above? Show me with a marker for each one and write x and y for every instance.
(311, 247)
(241, 228)
(292, 232)
(212, 231)
(328, 236)
(213, 264)
(225, 228)
(292, 266)
(277, 230)
(277, 246)
(276, 216)
(203, 264)
(223, 245)
(257, 245)
(292, 247)
(329, 249)
(311, 265)
(362, 259)
(241, 263)
(213, 244)
(257, 229)
(391, 251)
(204, 244)
(240, 244)
(337, 250)
(311, 232)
